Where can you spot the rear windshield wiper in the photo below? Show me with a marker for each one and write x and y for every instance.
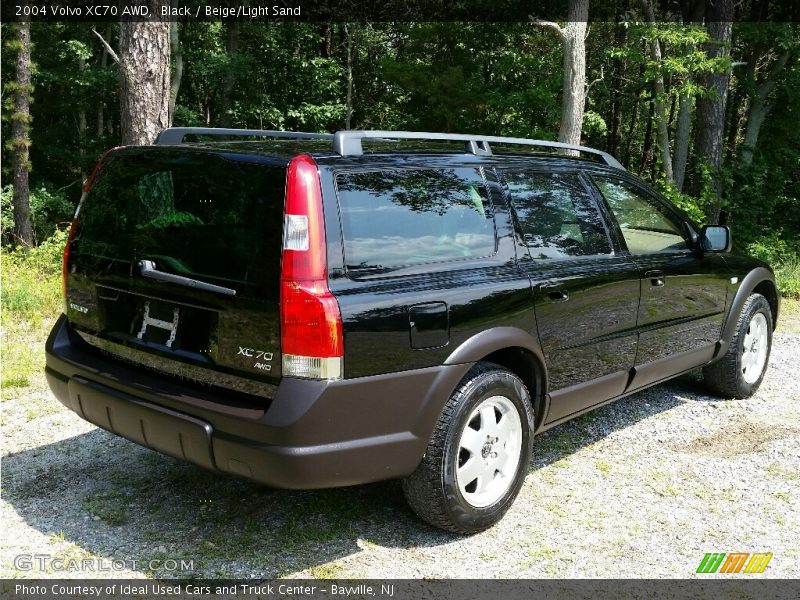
(147, 268)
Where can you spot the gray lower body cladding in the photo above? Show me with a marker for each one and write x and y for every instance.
(313, 434)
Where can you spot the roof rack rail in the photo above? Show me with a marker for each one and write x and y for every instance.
(348, 143)
(175, 135)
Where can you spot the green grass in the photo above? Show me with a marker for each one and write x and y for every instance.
(30, 301)
(778, 471)
(603, 466)
(789, 316)
(787, 276)
(109, 507)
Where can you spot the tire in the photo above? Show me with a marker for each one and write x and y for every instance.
(488, 419)
(740, 371)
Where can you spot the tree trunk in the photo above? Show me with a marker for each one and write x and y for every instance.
(20, 128)
(177, 73)
(647, 145)
(711, 108)
(100, 115)
(81, 125)
(682, 136)
(662, 126)
(735, 108)
(634, 123)
(232, 48)
(574, 40)
(620, 35)
(325, 49)
(349, 102)
(145, 79)
(759, 109)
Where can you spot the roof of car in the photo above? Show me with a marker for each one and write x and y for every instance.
(285, 150)
(356, 143)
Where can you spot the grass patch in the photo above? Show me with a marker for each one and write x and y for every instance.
(787, 276)
(783, 496)
(109, 507)
(777, 470)
(603, 466)
(30, 301)
(327, 571)
(789, 316)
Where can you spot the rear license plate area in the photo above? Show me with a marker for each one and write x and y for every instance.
(159, 323)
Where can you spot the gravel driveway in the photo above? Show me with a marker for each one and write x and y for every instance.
(643, 487)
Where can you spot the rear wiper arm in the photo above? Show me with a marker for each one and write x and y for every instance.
(147, 268)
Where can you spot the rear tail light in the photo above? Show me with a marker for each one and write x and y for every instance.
(65, 262)
(87, 186)
(311, 323)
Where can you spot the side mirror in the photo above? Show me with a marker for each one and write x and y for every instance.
(716, 238)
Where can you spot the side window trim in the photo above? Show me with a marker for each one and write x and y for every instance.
(592, 201)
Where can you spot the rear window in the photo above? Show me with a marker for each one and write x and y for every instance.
(196, 215)
(400, 218)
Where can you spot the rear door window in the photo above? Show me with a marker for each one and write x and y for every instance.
(399, 218)
(196, 215)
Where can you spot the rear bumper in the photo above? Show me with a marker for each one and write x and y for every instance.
(313, 434)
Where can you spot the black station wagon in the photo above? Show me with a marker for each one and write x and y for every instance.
(314, 310)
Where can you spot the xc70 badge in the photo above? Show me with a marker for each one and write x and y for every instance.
(259, 355)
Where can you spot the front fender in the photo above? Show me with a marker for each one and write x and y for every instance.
(746, 287)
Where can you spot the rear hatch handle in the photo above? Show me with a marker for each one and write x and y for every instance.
(147, 268)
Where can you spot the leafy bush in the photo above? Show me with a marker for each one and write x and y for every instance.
(29, 303)
(47, 256)
(688, 204)
(788, 275)
(48, 209)
(31, 285)
(784, 257)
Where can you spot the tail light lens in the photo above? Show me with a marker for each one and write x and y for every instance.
(311, 322)
(65, 263)
(87, 186)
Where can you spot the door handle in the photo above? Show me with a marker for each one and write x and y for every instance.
(656, 278)
(558, 296)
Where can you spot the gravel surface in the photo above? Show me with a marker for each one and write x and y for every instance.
(643, 487)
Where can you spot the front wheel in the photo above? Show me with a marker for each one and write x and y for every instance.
(740, 371)
(478, 454)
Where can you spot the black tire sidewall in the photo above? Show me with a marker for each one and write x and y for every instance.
(493, 383)
(758, 304)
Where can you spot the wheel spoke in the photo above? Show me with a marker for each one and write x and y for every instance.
(488, 420)
(472, 469)
(504, 428)
(473, 441)
(501, 460)
(485, 481)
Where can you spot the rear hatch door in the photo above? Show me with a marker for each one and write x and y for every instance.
(175, 264)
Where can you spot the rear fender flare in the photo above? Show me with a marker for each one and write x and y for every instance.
(486, 342)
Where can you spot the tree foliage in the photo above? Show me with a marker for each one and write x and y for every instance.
(493, 78)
